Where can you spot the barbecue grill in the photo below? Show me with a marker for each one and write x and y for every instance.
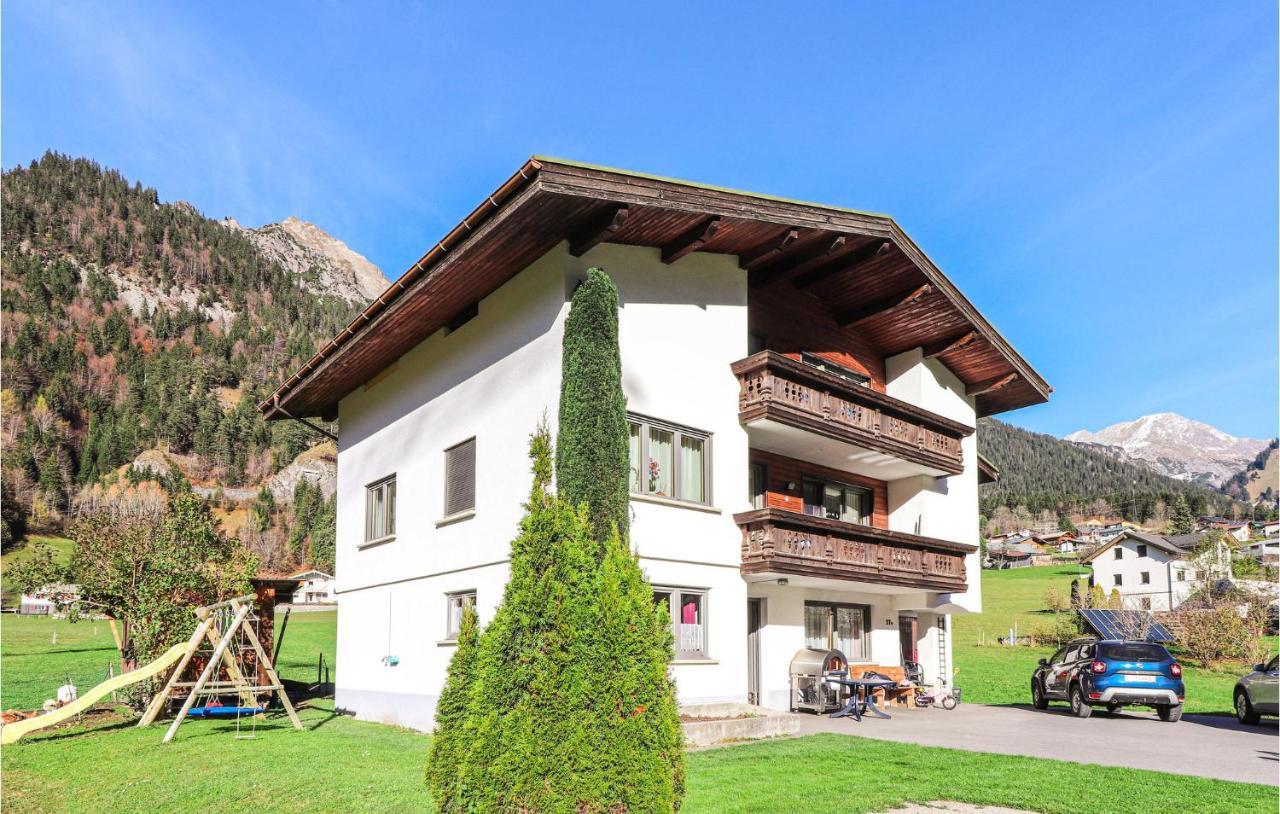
(809, 688)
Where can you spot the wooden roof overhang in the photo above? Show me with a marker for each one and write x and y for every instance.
(863, 267)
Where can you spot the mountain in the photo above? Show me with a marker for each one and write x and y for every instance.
(139, 335)
(1043, 473)
(322, 263)
(1260, 480)
(1176, 446)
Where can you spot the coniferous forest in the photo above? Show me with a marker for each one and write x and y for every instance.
(129, 325)
(1041, 473)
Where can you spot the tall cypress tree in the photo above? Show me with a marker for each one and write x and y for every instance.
(591, 450)
(449, 746)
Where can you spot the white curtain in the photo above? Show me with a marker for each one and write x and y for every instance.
(661, 458)
(691, 469)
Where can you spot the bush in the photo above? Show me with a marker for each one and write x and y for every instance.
(448, 747)
(1056, 601)
(592, 447)
(1216, 634)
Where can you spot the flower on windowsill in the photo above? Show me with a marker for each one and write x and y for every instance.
(655, 473)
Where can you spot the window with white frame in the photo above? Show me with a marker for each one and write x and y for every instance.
(688, 609)
(380, 510)
(457, 605)
(460, 478)
(668, 460)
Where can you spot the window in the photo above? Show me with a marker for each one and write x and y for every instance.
(380, 510)
(759, 479)
(840, 627)
(1182, 576)
(688, 609)
(1145, 603)
(837, 501)
(670, 461)
(458, 604)
(1119, 580)
(1142, 550)
(460, 478)
(1073, 653)
(1146, 577)
(1119, 552)
(814, 360)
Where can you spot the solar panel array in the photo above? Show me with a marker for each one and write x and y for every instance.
(1126, 624)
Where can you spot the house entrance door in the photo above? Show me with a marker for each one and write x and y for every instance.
(908, 634)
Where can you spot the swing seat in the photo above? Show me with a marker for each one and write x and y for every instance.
(220, 711)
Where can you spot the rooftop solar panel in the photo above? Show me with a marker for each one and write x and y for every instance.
(1125, 624)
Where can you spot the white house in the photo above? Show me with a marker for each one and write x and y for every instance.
(316, 588)
(48, 600)
(803, 386)
(1154, 572)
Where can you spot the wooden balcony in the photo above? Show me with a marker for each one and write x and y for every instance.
(776, 389)
(781, 542)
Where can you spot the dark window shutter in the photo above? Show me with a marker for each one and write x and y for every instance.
(460, 478)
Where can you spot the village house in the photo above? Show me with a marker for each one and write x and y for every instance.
(1156, 572)
(1266, 528)
(803, 385)
(316, 588)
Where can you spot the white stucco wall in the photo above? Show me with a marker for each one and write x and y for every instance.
(1166, 590)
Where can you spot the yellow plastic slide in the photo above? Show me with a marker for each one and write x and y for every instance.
(12, 732)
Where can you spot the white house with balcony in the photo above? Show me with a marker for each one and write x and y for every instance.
(315, 588)
(803, 384)
(1154, 572)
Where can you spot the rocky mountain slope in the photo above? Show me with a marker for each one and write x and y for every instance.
(1259, 482)
(1176, 446)
(322, 263)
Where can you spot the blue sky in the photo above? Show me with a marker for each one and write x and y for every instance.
(1099, 178)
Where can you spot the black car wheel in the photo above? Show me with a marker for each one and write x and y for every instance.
(1170, 712)
(1113, 708)
(1244, 710)
(1079, 707)
(1038, 699)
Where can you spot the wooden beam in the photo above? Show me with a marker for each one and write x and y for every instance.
(691, 240)
(989, 385)
(949, 344)
(843, 265)
(856, 315)
(599, 230)
(799, 261)
(769, 250)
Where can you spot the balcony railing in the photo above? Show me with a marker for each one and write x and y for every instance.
(777, 541)
(779, 388)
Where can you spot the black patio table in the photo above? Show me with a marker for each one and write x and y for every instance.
(860, 695)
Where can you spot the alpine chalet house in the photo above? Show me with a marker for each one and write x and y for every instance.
(803, 384)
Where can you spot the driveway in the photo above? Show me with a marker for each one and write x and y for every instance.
(1201, 745)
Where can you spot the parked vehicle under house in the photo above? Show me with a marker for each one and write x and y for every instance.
(803, 384)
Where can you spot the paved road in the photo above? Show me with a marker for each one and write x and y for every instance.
(1202, 745)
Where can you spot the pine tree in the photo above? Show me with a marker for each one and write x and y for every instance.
(1182, 523)
(449, 746)
(592, 447)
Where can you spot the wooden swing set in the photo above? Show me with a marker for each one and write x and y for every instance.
(226, 639)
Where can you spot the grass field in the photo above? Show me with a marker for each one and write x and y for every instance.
(61, 551)
(994, 674)
(341, 765)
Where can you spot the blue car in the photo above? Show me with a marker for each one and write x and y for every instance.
(1110, 673)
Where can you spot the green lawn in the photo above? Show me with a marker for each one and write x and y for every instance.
(61, 551)
(994, 674)
(340, 765)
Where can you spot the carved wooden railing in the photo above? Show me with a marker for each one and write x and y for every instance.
(780, 388)
(778, 541)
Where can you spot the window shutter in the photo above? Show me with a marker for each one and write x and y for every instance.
(460, 478)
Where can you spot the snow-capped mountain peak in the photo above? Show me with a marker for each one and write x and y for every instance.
(1175, 445)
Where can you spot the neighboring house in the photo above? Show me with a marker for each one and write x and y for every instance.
(1155, 572)
(803, 386)
(316, 588)
(1266, 528)
(48, 600)
(1265, 551)
(1238, 531)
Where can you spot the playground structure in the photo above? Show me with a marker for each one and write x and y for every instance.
(228, 656)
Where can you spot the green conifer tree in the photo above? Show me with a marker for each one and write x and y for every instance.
(592, 447)
(449, 746)
(1181, 522)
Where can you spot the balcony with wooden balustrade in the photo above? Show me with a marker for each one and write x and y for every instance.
(777, 542)
(796, 409)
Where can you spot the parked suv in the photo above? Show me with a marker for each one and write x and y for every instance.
(1110, 673)
(1258, 693)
